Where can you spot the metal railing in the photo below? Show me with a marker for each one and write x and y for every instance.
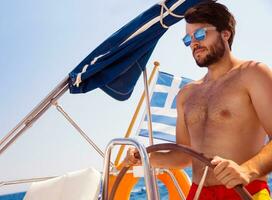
(173, 178)
(152, 193)
(22, 181)
(34, 115)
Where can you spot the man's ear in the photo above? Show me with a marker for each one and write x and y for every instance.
(225, 34)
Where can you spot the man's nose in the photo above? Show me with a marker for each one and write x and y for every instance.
(194, 43)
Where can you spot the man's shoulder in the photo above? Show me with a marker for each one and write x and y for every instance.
(254, 67)
(187, 89)
(254, 70)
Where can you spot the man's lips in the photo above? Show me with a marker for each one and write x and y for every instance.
(198, 50)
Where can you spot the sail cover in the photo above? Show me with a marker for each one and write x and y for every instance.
(116, 64)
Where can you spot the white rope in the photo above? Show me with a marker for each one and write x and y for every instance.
(142, 29)
(78, 78)
(154, 21)
(97, 57)
(169, 11)
(201, 183)
(161, 18)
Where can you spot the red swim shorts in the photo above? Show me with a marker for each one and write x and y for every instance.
(257, 188)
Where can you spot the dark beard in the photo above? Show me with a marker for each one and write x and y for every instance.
(216, 52)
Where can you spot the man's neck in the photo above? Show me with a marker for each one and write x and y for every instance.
(223, 66)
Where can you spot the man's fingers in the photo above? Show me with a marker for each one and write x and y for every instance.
(139, 162)
(130, 158)
(226, 179)
(220, 167)
(233, 182)
(131, 152)
(223, 174)
(229, 173)
(216, 160)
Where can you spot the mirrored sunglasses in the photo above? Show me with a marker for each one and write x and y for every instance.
(199, 34)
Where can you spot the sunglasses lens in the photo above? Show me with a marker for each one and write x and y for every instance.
(200, 34)
(187, 40)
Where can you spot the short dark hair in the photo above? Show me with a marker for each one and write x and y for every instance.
(212, 13)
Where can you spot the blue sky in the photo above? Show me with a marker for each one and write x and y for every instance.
(42, 41)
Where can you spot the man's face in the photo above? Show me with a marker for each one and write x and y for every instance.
(208, 51)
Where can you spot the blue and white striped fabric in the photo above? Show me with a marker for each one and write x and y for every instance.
(163, 107)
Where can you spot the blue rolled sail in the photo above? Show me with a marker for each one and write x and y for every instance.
(116, 64)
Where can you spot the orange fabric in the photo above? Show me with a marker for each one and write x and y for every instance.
(182, 180)
(220, 192)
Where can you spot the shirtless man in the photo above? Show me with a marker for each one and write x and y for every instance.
(226, 115)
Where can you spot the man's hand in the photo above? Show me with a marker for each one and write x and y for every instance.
(131, 159)
(230, 173)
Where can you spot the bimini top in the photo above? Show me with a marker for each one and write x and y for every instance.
(116, 64)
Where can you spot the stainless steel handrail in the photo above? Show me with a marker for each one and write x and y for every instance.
(32, 117)
(181, 194)
(41, 108)
(149, 117)
(35, 114)
(152, 194)
(80, 131)
(21, 181)
(148, 109)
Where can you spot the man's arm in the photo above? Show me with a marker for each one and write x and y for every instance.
(258, 80)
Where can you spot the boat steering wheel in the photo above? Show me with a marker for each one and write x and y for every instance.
(244, 194)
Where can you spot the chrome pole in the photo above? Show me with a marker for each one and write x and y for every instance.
(150, 130)
(148, 175)
(181, 194)
(80, 131)
(21, 181)
(35, 114)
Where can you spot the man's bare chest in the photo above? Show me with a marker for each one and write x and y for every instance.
(215, 103)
